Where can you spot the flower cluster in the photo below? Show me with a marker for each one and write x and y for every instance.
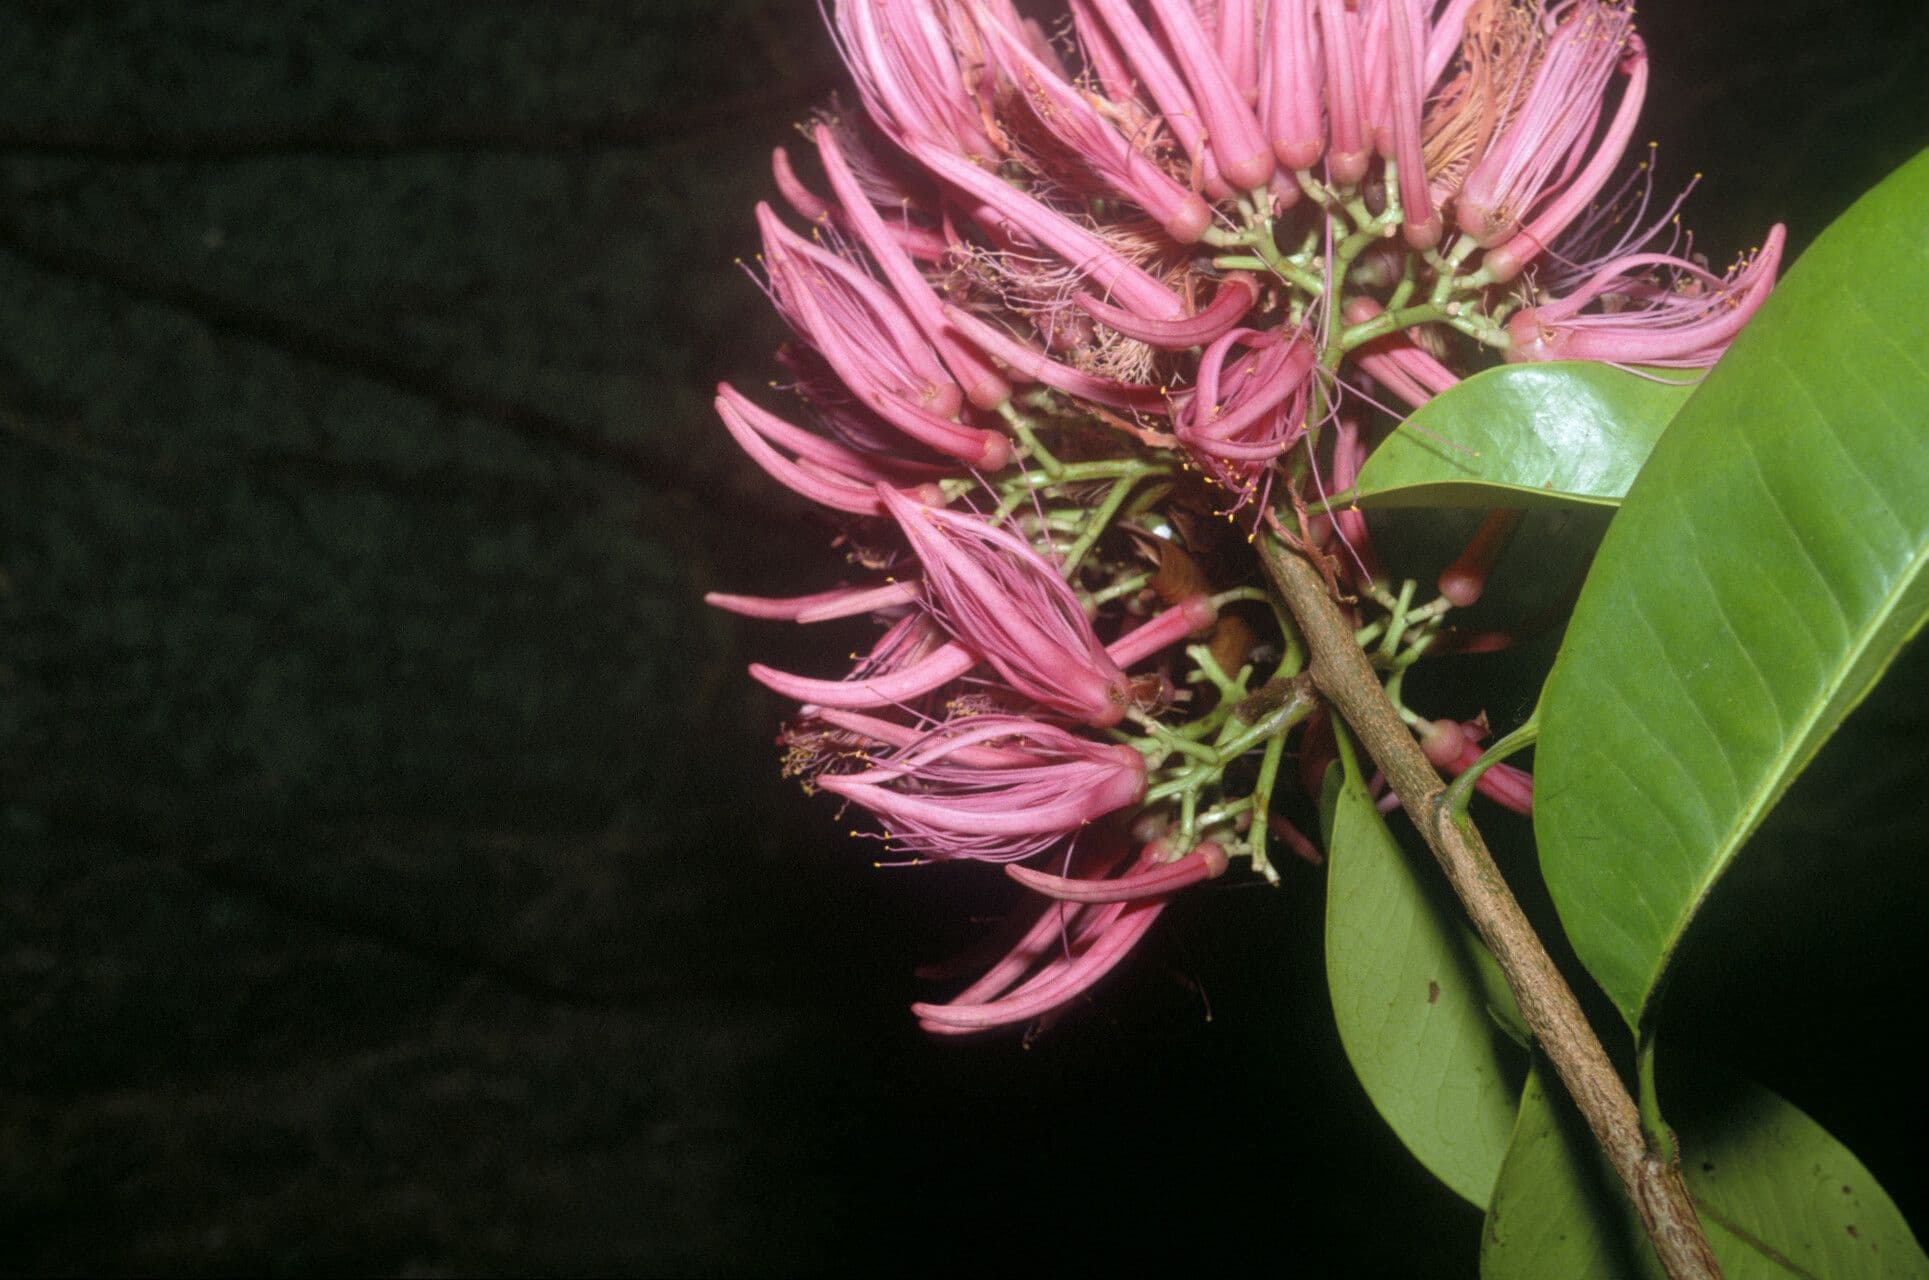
(1075, 306)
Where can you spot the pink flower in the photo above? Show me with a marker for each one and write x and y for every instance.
(1146, 879)
(1465, 580)
(1420, 223)
(1101, 937)
(1655, 310)
(1238, 45)
(1190, 616)
(1244, 155)
(1185, 240)
(904, 56)
(1234, 297)
(1008, 604)
(1107, 63)
(1116, 276)
(884, 182)
(822, 470)
(912, 661)
(1027, 361)
(1081, 935)
(1111, 24)
(821, 606)
(876, 350)
(983, 387)
(1545, 164)
(1348, 147)
(853, 320)
(1395, 362)
(908, 661)
(1247, 406)
(847, 420)
(1453, 748)
(1037, 785)
(1071, 118)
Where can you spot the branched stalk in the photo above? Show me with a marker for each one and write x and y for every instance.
(1097, 523)
(1347, 679)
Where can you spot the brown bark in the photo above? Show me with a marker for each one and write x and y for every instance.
(1344, 675)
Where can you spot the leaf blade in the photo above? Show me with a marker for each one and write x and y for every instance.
(1561, 433)
(1734, 617)
(1780, 1198)
(1557, 1210)
(1409, 999)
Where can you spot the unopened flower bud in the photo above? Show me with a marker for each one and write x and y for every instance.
(1462, 581)
(1443, 741)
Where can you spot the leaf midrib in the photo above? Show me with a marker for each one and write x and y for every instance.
(1785, 764)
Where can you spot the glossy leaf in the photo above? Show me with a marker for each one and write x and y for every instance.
(1762, 573)
(1568, 433)
(1409, 996)
(1779, 1197)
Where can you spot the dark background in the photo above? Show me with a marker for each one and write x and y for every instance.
(394, 874)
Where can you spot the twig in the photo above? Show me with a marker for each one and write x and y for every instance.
(1343, 674)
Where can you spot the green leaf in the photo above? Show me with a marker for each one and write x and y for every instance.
(1557, 1208)
(1525, 435)
(1779, 1197)
(1409, 997)
(1762, 573)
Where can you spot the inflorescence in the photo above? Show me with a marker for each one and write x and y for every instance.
(1080, 312)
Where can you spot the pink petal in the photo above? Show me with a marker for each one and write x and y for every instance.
(1206, 862)
(936, 669)
(1233, 299)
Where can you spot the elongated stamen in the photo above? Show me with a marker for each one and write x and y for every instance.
(1505, 262)
(1684, 324)
(1540, 151)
